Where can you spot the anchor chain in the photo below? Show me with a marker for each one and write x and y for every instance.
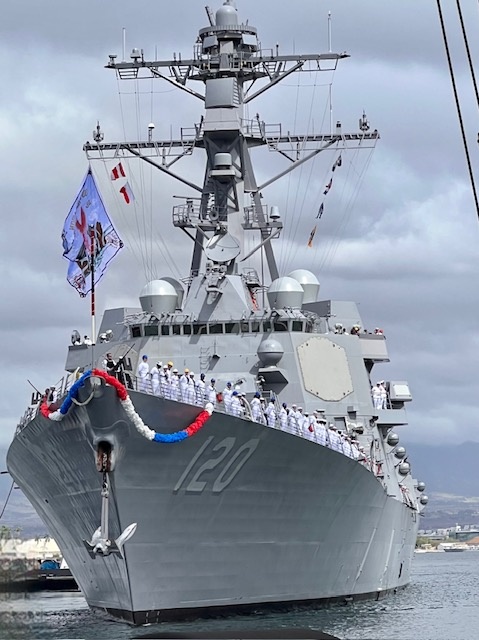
(103, 460)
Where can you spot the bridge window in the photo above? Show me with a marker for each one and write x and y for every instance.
(199, 329)
(232, 327)
(297, 325)
(187, 329)
(165, 330)
(136, 332)
(176, 329)
(151, 330)
(216, 328)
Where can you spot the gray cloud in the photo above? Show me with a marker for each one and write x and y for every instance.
(402, 244)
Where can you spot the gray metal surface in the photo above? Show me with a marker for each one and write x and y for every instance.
(240, 513)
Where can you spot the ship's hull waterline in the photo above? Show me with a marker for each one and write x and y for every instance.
(237, 515)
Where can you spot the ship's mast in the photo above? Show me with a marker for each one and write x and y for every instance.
(229, 62)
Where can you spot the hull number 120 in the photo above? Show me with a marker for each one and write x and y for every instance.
(224, 457)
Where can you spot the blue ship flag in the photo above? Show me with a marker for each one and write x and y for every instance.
(86, 226)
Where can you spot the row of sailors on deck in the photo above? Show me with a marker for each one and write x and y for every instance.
(166, 381)
(312, 427)
(355, 330)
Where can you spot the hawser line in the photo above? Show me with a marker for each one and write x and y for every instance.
(58, 414)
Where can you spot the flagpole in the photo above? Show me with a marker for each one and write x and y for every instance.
(92, 295)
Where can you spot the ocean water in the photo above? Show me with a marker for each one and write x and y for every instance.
(441, 603)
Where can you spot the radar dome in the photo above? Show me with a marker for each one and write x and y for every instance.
(227, 15)
(158, 297)
(404, 468)
(400, 453)
(393, 439)
(285, 292)
(308, 281)
(270, 352)
(178, 287)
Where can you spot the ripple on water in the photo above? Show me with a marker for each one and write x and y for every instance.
(440, 604)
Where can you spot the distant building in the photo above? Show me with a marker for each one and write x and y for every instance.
(32, 549)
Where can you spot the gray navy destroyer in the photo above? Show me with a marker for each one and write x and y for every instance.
(257, 503)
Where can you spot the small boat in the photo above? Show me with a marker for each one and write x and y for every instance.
(453, 547)
(37, 580)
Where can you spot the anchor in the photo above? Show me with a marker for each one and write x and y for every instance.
(100, 543)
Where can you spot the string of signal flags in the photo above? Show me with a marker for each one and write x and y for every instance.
(117, 173)
(337, 163)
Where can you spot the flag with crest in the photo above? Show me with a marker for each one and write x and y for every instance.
(88, 232)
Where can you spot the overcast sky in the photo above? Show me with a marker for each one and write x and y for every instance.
(404, 246)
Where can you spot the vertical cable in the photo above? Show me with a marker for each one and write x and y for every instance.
(468, 51)
(458, 107)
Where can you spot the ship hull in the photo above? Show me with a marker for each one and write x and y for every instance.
(235, 517)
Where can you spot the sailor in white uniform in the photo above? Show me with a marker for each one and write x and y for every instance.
(292, 421)
(302, 422)
(200, 389)
(321, 431)
(256, 410)
(384, 395)
(174, 384)
(211, 392)
(347, 447)
(155, 378)
(376, 396)
(227, 394)
(184, 379)
(283, 417)
(143, 371)
(190, 395)
(310, 431)
(271, 414)
(236, 408)
(164, 381)
(334, 439)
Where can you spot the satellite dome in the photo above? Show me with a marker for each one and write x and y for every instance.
(158, 297)
(423, 500)
(421, 486)
(178, 288)
(270, 352)
(227, 15)
(308, 281)
(404, 468)
(400, 453)
(393, 439)
(285, 292)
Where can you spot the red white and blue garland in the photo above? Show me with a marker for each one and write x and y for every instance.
(125, 400)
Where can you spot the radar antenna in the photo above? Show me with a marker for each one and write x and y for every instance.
(210, 15)
(98, 134)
